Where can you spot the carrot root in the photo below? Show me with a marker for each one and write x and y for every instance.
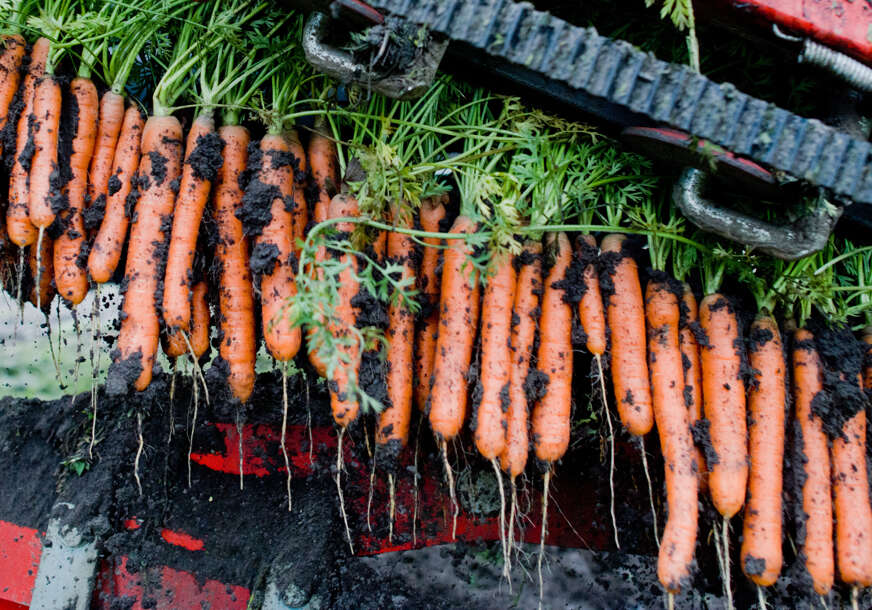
(284, 430)
(338, 480)
(546, 480)
(602, 380)
(650, 488)
(449, 476)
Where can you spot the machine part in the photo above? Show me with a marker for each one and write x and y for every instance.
(67, 568)
(804, 236)
(408, 81)
(853, 72)
(613, 80)
(677, 148)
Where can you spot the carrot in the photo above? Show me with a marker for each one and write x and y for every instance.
(20, 228)
(300, 212)
(47, 114)
(431, 214)
(344, 406)
(458, 319)
(692, 371)
(235, 298)
(496, 357)
(198, 174)
(625, 314)
(41, 273)
(111, 115)
(199, 320)
(816, 547)
(664, 359)
(71, 277)
(11, 59)
(551, 421)
(159, 167)
(106, 249)
(723, 392)
(852, 510)
(324, 167)
(590, 308)
(761, 541)
(526, 319)
(393, 422)
(274, 243)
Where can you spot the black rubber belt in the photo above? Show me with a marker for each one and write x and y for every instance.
(619, 83)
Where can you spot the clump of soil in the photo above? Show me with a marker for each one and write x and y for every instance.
(842, 358)
(207, 158)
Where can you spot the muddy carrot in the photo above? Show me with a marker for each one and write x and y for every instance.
(324, 167)
(551, 415)
(761, 542)
(431, 214)
(199, 320)
(111, 116)
(692, 371)
(273, 247)
(723, 392)
(300, 212)
(525, 322)
(21, 230)
(41, 274)
(625, 314)
(159, 167)
(47, 114)
(343, 404)
(816, 511)
(458, 319)
(496, 357)
(664, 359)
(71, 277)
(11, 59)
(202, 155)
(106, 249)
(590, 308)
(393, 423)
(853, 513)
(235, 298)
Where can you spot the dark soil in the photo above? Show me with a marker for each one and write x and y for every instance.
(842, 358)
(206, 158)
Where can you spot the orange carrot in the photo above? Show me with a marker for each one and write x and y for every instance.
(626, 319)
(664, 359)
(20, 228)
(47, 113)
(199, 320)
(692, 372)
(106, 249)
(202, 154)
(853, 513)
(274, 243)
(723, 392)
(526, 320)
(111, 115)
(590, 308)
(324, 166)
(496, 358)
(300, 212)
(458, 319)
(761, 541)
(41, 274)
(235, 299)
(344, 406)
(159, 167)
(71, 277)
(431, 214)
(867, 368)
(393, 422)
(551, 415)
(816, 547)
(11, 59)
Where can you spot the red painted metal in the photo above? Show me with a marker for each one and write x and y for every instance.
(20, 550)
(164, 587)
(843, 25)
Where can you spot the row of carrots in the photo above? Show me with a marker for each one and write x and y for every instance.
(288, 223)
